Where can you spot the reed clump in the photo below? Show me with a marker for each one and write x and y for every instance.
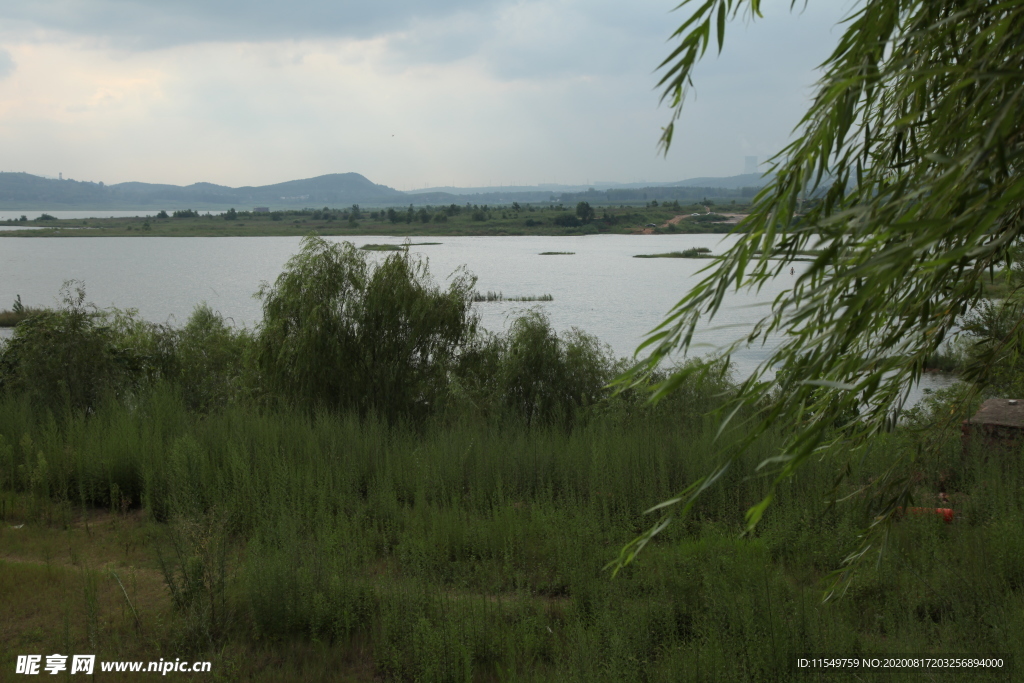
(382, 247)
(489, 297)
(17, 313)
(395, 247)
(695, 252)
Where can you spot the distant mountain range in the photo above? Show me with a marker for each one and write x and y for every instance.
(19, 190)
(24, 191)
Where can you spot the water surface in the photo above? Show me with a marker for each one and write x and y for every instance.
(601, 288)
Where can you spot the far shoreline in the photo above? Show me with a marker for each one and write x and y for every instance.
(452, 221)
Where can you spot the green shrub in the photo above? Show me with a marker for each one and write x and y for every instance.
(73, 356)
(342, 333)
(210, 359)
(544, 377)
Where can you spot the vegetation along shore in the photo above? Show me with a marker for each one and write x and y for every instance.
(453, 219)
(367, 487)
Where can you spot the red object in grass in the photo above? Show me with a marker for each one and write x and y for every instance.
(945, 513)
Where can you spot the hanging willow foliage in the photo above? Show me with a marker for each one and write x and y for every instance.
(905, 178)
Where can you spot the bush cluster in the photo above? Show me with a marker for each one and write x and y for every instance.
(340, 332)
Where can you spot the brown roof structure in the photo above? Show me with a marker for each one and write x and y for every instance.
(1002, 412)
(999, 423)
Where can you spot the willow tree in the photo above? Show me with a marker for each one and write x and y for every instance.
(904, 178)
(343, 332)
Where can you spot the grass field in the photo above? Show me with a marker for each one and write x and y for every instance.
(474, 551)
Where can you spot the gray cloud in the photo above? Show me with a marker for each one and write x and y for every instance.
(538, 39)
(142, 24)
(512, 38)
(7, 64)
(553, 38)
(524, 90)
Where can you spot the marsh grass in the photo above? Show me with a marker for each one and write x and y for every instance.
(557, 253)
(704, 252)
(695, 252)
(395, 247)
(10, 318)
(473, 549)
(17, 313)
(489, 297)
(382, 247)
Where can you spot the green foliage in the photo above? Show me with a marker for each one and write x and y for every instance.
(567, 220)
(341, 333)
(546, 377)
(196, 574)
(474, 547)
(72, 357)
(459, 220)
(584, 212)
(211, 360)
(77, 356)
(230, 214)
(911, 150)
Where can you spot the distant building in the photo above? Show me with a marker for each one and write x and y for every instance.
(751, 165)
(261, 209)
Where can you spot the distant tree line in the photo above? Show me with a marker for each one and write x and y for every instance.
(616, 196)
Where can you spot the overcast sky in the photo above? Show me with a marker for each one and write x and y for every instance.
(408, 93)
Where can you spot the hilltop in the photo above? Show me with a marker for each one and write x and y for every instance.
(21, 190)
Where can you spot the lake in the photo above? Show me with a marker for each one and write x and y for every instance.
(600, 289)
